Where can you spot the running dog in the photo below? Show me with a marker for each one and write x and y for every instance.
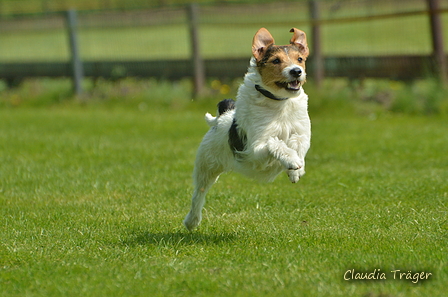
(267, 130)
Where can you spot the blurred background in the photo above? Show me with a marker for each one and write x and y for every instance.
(90, 42)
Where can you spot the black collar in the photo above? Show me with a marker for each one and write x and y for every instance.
(268, 94)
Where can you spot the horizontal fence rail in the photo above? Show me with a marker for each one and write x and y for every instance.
(316, 15)
(394, 67)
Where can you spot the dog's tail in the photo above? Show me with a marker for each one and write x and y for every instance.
(211, 120)
(223, 106)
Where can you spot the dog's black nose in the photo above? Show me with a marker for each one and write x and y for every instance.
(296, 72)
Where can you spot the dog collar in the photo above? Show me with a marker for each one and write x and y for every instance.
(268, 94)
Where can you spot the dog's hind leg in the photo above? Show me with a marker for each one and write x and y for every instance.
(204, 177)
(210, 160)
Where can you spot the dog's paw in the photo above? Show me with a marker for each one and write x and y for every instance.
(296, 174)
(192, 221)
(293, 175)
(295, 164)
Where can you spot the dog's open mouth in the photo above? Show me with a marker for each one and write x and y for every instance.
(290, 86)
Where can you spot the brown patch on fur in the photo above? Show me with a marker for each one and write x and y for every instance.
(275, 60)
(262, 40)
(272, 59)
(299, 40)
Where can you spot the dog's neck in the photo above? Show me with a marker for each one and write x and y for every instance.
(268, 94)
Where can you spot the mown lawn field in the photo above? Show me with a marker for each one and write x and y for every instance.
(92, 201)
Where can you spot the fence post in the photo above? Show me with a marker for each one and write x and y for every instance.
(437, 40)
(316, 49)
(196, 58)
(76, 63)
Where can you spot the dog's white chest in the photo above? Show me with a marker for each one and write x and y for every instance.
(292, 122)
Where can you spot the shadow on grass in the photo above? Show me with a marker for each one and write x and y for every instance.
(175, 239)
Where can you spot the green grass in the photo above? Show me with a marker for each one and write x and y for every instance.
(370, 97)
(92, 199)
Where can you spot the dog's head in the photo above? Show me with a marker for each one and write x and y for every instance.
(282, 67)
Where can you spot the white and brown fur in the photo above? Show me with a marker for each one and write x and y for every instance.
(267, 130)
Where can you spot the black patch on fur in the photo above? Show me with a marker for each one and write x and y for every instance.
(272, 50)
(225, 105)
(237, 138)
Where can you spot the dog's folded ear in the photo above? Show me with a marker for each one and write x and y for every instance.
(299, 40)
(262, 40)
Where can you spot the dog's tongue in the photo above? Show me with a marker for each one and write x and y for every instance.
(293, 84)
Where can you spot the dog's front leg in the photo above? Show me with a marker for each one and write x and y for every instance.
(287, 157)
(301, 144)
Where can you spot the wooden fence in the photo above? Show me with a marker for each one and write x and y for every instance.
(319, 66)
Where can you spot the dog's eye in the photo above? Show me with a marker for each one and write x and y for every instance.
(276, 61)
(300, 60)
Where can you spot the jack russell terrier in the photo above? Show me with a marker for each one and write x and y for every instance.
(267, 130)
